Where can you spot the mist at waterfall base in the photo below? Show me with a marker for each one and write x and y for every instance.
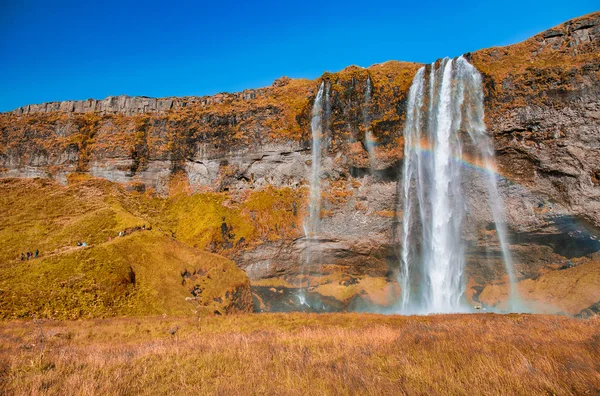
(444, 123)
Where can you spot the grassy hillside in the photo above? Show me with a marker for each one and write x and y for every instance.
(144, 272)
(41, 214)
(295, 354)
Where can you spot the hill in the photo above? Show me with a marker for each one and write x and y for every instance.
(143, 272)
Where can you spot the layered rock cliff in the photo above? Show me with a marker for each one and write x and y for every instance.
(231, 154)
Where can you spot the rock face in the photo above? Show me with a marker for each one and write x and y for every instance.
(128, 105)
(542, 110)
(544, 113)
(111, 105)
(590, 312)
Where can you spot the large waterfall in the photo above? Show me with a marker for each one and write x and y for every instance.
(444, 130)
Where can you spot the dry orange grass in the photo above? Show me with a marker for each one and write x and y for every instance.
(305, 354)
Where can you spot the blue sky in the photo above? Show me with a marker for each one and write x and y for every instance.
(59, 50)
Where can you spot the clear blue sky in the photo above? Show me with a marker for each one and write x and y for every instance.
(59, 50)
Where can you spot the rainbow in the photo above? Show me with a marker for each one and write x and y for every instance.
(470, 161)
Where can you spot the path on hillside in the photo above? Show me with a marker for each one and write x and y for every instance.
(69, 248)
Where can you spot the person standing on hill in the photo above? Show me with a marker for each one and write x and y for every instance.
(37, 253)
(22, 256)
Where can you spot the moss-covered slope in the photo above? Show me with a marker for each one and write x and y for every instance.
(142, 272)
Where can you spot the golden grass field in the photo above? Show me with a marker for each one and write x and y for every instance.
(303, 354)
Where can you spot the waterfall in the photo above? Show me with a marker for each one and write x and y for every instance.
(477, 132)
(369, 138)
(312, 225)
(443, 121)
(411, 132)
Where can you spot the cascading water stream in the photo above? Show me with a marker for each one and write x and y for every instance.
(433, 253)
(411, 129)
(311, 227)
(319, 119)
(477, 132)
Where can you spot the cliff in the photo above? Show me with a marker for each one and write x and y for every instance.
(211, 166)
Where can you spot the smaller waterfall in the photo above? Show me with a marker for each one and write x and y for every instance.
(369, 138)
(312, 225)
(477, 132)
(438, 136)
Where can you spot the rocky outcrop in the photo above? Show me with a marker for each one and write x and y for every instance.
(563, 290)
(111, 105)
(590, 312)
(542, 110)
(132, 105)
